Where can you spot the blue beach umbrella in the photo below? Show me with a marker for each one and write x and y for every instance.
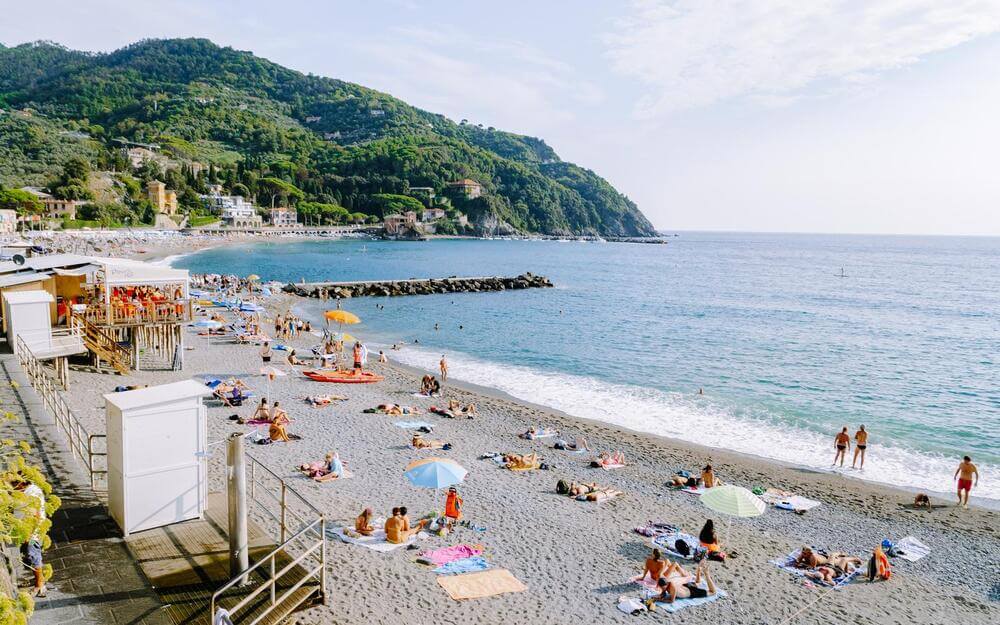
(435, 473)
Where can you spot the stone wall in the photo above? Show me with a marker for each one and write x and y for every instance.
(394, 288)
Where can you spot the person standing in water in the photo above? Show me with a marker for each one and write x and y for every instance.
(964, 474)
(842, 443)
(444, 368)
(861, 440)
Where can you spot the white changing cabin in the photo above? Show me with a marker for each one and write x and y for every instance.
(157, 467)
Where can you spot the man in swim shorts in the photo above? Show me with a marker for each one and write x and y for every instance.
(861, 438)
(842, 443)
(964, 474)
(676, 588)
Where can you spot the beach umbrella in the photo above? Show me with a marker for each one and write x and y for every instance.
(210, 324)
(252, 278)
(341, 317)
(271, 373)
(733, 501)
(435, 473)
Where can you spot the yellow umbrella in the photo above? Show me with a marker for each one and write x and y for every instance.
(341, 316)
(253, 276)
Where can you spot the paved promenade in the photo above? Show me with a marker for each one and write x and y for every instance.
(95, 579)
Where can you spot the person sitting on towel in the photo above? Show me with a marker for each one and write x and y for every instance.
(263, 412)
(279, 422)
(676, 588)
(708, 538)
(398, 530)
(363, 524)
(332, 468)
(708, 478)
(655, 566)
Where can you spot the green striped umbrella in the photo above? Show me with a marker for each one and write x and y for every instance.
(733, 500)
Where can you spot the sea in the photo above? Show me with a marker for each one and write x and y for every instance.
(765, 344)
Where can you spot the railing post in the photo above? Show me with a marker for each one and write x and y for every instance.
(322, 571)
(274, 582)
(239, 550)
(283, 507)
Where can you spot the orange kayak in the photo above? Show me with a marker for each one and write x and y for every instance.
(343, 377)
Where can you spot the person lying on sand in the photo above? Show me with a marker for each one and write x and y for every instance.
(363, 524)
(521, 461)
(293, 360)
(419, 442)
(922, 501)
(684, 480)
(609, 459)
(809, 559)
(318, 401)
(468, 410)
(676, 588)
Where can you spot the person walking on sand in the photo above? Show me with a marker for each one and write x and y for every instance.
(861, 440)
(842, 443)
(964, 474)
(357, 356)
(444, 368)
(265, 353)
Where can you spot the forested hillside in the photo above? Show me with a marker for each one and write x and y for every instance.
(273, 133)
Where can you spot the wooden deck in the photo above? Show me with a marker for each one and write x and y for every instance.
(186, 563)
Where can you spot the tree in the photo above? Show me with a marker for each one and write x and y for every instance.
(276, 188)
(21, 201)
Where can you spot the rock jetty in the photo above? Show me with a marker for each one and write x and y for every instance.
(426, 286)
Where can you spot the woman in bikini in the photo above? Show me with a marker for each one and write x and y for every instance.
(279, 422)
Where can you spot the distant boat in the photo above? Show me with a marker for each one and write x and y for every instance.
(842, 274)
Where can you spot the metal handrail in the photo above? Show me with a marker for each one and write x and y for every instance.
(81, 442)
(285, 543)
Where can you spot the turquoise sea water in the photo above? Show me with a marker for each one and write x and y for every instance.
(787, 352)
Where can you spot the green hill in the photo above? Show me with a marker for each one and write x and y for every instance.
(338, 143)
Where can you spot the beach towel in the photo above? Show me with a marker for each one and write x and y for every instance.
(375, 542)
(652, 529)
(412, 425)
(911, 549)
(465, 565)
(667, 543)
(444, 555)
(481, 584)
(693, 490)
(788, 564)
(785, 500)
(543, 433)
(681, 604)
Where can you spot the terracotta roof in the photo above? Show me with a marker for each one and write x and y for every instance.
(464, 182)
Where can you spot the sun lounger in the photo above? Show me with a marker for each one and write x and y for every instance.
(667, 543)
(911, 549)
(681, 604)
(375, 542)
(787, 564)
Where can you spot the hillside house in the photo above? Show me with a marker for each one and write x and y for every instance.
(467, 187)
(54, 208)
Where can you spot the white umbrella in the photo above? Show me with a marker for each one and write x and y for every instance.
(271, 373)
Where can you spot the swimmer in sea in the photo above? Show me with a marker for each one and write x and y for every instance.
(861, 440)
(842, 443)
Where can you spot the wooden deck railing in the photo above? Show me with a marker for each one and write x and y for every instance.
(124, 314)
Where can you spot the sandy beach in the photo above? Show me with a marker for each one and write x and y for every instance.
(575, 557)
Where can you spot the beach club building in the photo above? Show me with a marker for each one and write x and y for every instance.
(119, 308)
(284, 217)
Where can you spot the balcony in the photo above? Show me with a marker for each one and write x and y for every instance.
(125, 314)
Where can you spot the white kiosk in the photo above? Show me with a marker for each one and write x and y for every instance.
(157, 469)
(27, 314)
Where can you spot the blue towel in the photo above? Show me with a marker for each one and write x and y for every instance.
(280, 348)
(465, 565)
(680, 604)
(413, 425)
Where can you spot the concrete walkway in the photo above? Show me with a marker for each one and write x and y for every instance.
(95, 578)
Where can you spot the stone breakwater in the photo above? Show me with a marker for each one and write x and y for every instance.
(426, 286)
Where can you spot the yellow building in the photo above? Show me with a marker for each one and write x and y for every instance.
(163, 201)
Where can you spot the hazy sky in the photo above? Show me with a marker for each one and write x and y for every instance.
(770, 115)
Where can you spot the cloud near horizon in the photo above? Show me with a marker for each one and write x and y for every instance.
(694, 53)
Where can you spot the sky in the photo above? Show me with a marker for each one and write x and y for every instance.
(867, 116)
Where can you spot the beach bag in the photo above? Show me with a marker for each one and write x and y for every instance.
(561, 487)
(872, 569)
(681, 547)
(559, 445)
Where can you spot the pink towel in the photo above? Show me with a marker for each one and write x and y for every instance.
(445, 555)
